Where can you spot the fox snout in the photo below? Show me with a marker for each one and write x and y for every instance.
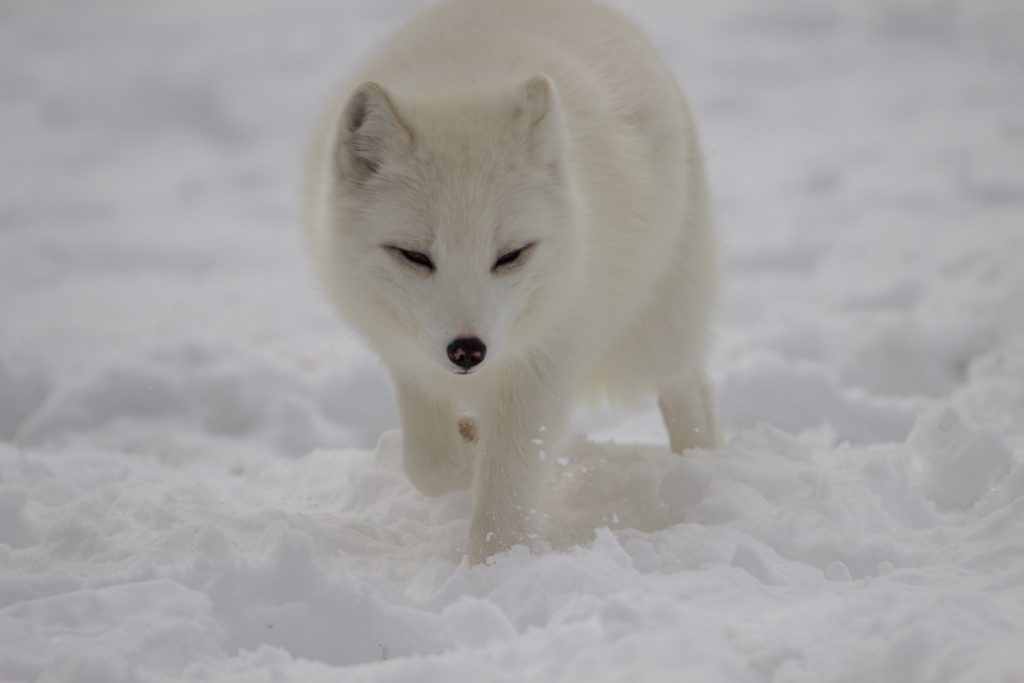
(467, 352)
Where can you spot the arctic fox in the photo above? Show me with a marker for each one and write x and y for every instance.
(508, 203)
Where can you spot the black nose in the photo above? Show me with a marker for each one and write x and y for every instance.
(467, 352)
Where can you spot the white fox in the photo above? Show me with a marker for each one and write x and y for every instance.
(509, 204)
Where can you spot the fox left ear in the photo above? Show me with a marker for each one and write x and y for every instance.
(539, 113)
(371, 132)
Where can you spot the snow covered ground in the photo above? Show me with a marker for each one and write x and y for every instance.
(200, 473)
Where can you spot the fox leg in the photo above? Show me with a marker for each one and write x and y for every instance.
(523, 424)
(688, 409)
(438, 447)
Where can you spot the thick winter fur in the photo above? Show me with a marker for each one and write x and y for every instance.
(482, 127)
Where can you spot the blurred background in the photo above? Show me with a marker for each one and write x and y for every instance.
(866, 164)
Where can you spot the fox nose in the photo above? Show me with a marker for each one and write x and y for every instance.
(467, 352)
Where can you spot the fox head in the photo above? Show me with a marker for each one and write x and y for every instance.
(451, 221)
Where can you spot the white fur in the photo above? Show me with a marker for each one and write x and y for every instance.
(482, 126)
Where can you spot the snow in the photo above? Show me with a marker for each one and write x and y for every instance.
(199, 471)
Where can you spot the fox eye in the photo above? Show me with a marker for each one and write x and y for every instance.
(511, 257)
(417, 258)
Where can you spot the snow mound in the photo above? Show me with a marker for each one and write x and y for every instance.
(956, 464)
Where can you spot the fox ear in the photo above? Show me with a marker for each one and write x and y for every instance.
(370, 132)
(538, 111)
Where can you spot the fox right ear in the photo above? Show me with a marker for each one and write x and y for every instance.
(537, 110)
(371, 131)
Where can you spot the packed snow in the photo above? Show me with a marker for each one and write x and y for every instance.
(201, 472)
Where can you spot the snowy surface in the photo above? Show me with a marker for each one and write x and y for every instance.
(200, 473)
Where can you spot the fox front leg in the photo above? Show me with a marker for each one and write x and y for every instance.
(521, 422)
(438, 447)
